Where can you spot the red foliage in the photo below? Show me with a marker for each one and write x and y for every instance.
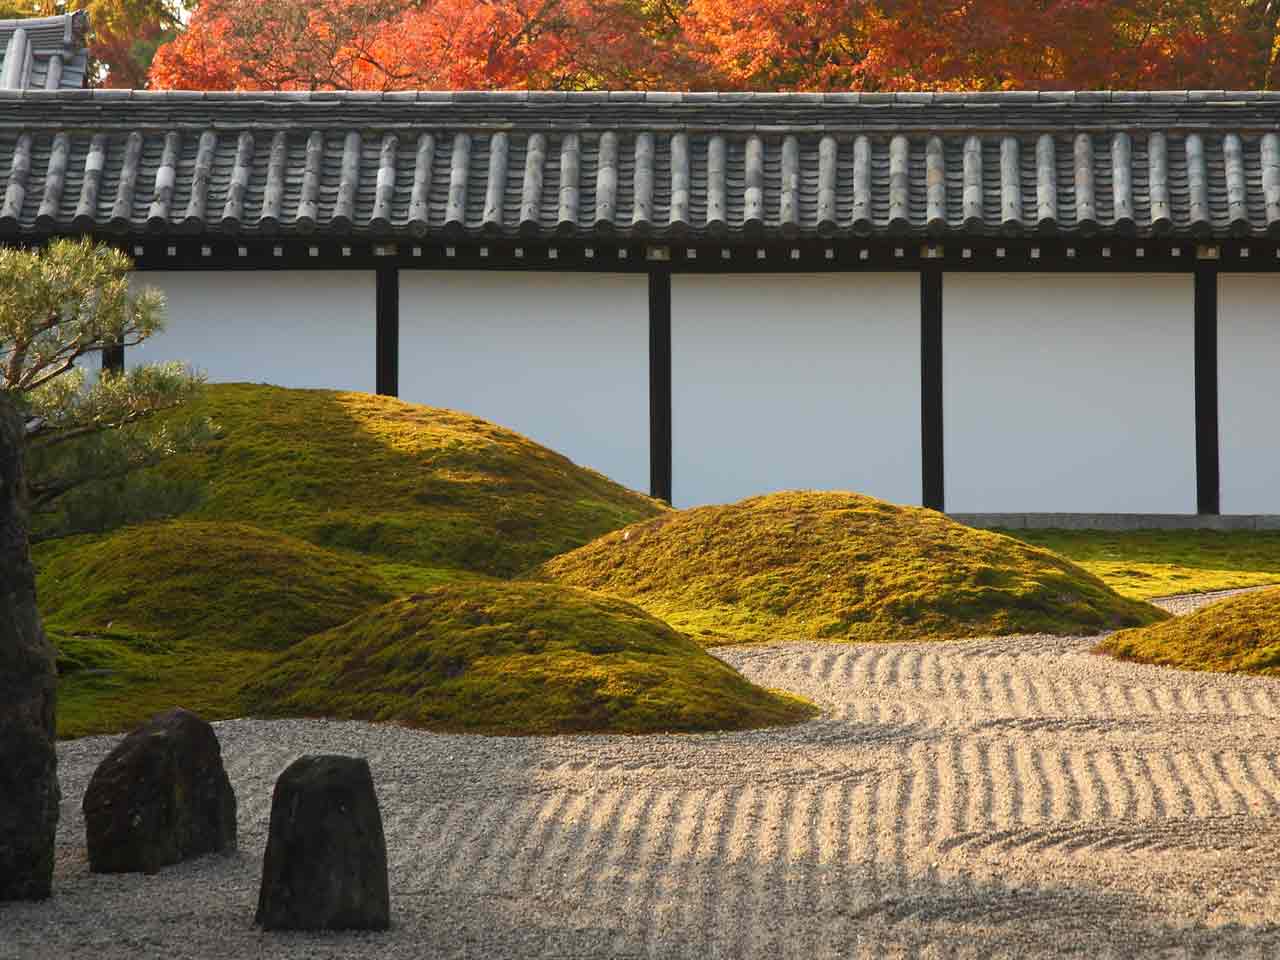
(725, 44)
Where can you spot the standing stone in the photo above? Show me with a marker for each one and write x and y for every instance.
(29, 793)
(159, 797)
(326, 862)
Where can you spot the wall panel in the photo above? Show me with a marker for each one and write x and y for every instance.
(290, 328)
(1069, 393)
(1249, 392)
(561, 358)
(792, 382)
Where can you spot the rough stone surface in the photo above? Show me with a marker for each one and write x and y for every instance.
(28, 764)
(160, 797)
(325, 866)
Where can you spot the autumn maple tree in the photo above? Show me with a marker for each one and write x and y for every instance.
(684, 44)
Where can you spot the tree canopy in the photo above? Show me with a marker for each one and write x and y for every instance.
(60, 308)
(722, 44)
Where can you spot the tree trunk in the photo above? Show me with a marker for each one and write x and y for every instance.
(29, 792)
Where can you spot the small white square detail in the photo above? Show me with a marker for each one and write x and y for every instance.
(553, 253)
(761, 253)
(725, 253)
(484, 251)
(830, 253)
(967, 253)
(346, 251)
(899, 252)
(1106, 251)
(795, 253)
(137, 251)
(417, 251)
(999, 253)
(1176, 251)
(1035, 253)
(590, 253)
(864, 254)
(1071, 252)
(622, 253)
(1140, 252)
(691, 254)
(519, 252)
(242, 251)
(314, 251)
(171, 251)
(277, 251)
(1244, 253)
(450, 251)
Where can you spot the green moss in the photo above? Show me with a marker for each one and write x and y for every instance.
(839, 566)
(1160, 563)
(1240, 634)
(183, 612)
(405, 483)
(515, 658)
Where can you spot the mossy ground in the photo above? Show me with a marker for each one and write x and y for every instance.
(839, 566)
(1158, 563)
(1240, 634)
(406, 483)
(492, 657)
(321, 507)
(182, 612)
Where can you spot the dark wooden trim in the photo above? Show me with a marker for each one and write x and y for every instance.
(113, 358)
(387, 311)
(931, 424)
(1208, 468)
(660, 384)
(843, 254)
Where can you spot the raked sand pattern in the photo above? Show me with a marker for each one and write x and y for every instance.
(1017, 797)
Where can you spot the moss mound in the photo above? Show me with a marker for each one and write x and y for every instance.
(180, 612)
(515, 658)
(839, 566)
(1240, 634)
(408, 483)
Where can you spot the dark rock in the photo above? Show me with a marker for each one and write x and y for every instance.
(29, 793)
(326, 862)
(159, 797)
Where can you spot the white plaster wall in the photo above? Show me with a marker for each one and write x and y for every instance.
(1249, 392)
(561, 358)
(795, 382)
(290, 328)
(1069, 393)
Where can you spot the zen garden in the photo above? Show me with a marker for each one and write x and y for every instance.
(491, 479)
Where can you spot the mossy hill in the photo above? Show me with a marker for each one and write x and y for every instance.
(1240, 634)
(396, 480)
(515, 658)
(839, 566)
(182, 612)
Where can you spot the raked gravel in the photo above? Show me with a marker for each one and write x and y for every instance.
(1016, 797)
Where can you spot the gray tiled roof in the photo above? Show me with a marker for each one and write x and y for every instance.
(616, 164)
(43, 53)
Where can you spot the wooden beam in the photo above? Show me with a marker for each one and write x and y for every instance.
(1208, 469)
(660, 384)
(387, 312)
(933, 489)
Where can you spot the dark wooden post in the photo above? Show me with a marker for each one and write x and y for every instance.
(933, 493)
(387, 311)
(660, 384)
(1208, 470)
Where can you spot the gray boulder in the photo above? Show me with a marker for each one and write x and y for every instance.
(29, 793)
(326, 862)
(159, 797)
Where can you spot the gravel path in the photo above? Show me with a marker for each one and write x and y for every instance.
(1013, 797)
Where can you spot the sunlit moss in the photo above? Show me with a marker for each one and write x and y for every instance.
(1240, 634)
(839, 566)
(515, 658)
